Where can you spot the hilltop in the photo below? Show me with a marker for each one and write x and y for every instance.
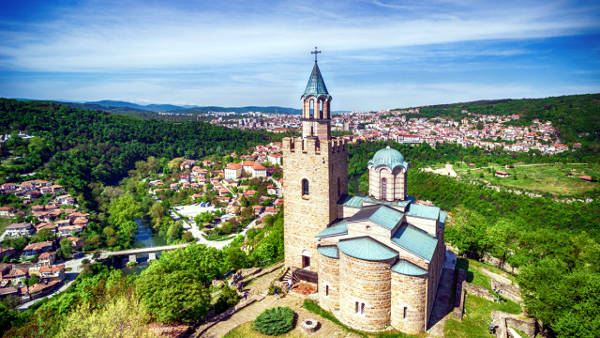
(577, 117)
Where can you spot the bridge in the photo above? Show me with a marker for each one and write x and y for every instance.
(132, 253)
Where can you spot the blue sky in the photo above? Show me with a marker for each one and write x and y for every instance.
(377, 54)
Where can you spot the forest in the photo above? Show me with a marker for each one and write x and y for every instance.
(577, 117)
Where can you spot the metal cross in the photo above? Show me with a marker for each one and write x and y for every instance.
(316, 52)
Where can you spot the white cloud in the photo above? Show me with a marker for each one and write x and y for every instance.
(157, 37)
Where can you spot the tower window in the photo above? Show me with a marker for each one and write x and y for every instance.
(383, 188)
(362, 308)
(312, 108)
(305, 187)
(356, 307)
(326, 290)
(404, 316)
(320, 109)
(339, 187)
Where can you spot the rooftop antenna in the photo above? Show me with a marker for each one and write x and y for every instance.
(316, 51)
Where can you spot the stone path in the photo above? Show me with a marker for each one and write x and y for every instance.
(258, 289)
(441, 307)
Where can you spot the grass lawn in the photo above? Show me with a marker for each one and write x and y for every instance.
(246, 331)
(4, 222)
(554, 178)
(477, 317)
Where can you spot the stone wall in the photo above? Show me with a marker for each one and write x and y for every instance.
(368, 283)
(395, 183)
(479, 291)
(329, 280)
(509, 291)
(459, 296)
(305, 216)
(409, 292)
(505, 320)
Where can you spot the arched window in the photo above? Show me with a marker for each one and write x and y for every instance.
(321, 109)
(339, 187)
(383, 188)
(305, 187)
(311, 108)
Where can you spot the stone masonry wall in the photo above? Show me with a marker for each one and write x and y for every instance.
(368, 283)
(306, 216)
(329, 279)
(409, 292)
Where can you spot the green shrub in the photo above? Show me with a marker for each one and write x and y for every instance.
(227, 299)
(275, 321)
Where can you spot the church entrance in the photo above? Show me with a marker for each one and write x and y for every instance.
(305, 259)
(305, 262)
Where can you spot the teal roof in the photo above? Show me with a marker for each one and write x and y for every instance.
(388, 157)
(415, 240)
(443, 215)
(354, 201)
(386, 217)
(315, 86)
(329, 251)
(367, 249)
(407, 268)
(340, 228)
(423, 211)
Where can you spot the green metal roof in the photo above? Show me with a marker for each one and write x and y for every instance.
(315, 86)
(329, 251)
(386, 217)
(367, 249)
(340, 228)
(407, 268)
(423, 211)
(415, 240)
(388, 157)
(354, 201)
(443, 215)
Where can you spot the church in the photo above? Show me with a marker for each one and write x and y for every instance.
(376, 259)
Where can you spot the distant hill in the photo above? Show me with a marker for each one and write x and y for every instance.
(577, 117)
(124, 106)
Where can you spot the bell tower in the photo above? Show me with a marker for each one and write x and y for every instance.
(315, 175)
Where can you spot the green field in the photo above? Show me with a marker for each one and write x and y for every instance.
(557, 179)
(4, 222)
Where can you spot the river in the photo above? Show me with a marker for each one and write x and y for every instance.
(145, 238)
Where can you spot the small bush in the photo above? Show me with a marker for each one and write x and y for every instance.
(227, 299)
(275, 321)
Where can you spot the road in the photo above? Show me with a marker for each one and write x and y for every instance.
(74, 266)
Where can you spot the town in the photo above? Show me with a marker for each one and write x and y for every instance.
(221, 197)
(477, 130)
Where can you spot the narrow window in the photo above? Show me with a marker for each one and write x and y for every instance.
(304, 187)
(339, 187)
(404, 317)
(362, 308)
(356, 307)
(326, 290)
(320, 109)
(383, 188)
(312, 108)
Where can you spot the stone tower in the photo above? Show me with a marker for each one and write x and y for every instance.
(314, 176)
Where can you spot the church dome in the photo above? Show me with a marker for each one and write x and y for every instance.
(388, 157)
